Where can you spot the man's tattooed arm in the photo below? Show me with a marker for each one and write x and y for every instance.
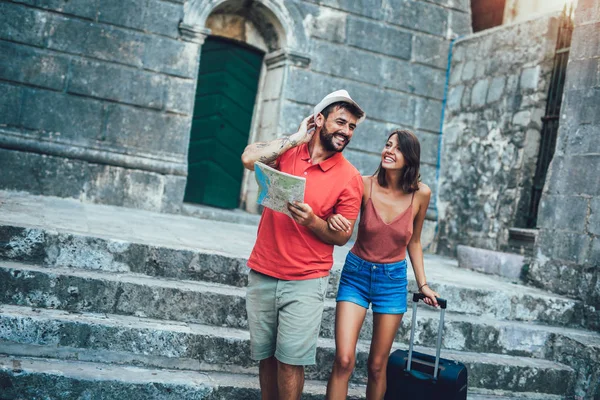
(266, 152)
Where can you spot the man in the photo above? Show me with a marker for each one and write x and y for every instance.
(291, 259)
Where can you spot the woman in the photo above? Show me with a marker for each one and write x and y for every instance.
(393, 210)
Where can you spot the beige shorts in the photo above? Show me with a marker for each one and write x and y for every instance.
(284, 317)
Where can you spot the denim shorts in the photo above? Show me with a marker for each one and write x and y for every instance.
(383, 285)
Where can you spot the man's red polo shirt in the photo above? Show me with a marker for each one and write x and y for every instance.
(286, 250)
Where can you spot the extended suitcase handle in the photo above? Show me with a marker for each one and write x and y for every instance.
(442, 303)
(420, 296)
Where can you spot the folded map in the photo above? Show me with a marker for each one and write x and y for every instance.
(277, 189)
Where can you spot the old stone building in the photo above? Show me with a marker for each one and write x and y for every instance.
(108, 103)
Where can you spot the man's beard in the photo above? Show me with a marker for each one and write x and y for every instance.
(327, 140)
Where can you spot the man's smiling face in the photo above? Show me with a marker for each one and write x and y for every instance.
(338, 129)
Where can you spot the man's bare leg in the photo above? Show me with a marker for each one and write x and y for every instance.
(290, 379)
(268, 378)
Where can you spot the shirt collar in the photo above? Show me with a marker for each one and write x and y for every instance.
(325, 165)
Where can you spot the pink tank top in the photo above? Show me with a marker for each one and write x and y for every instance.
(382, 243)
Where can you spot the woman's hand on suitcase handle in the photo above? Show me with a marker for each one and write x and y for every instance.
(431, 295)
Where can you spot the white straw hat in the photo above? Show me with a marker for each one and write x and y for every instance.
(334, 97)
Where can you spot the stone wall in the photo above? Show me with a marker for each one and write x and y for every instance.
(496, 99)
(567, 258)
(391, 59)
(96, 100)
(102, 92)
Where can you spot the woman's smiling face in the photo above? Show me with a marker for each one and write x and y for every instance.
(391, 156)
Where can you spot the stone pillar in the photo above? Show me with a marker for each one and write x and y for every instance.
(567, 256)
(276, 66)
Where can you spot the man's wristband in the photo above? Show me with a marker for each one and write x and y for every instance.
(422, 286)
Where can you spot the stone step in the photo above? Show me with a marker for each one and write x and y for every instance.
(166, 344)
(35, 378)
(495, 296)
(221, 305)
(54, 379)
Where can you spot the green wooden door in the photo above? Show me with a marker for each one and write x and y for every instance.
(227, 85)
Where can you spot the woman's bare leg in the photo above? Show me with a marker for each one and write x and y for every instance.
(349, 318)
(385, 327)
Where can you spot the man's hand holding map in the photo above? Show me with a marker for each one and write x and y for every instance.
(277, 189)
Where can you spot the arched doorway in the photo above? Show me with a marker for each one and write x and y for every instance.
(225, 98)
(276, 29)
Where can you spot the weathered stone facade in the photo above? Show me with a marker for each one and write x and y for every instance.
(98, 96)
(567, 257)
(497, 96)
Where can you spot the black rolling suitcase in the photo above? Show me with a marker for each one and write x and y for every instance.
(417, 376)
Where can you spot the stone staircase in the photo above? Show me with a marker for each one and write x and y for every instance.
(100, 302)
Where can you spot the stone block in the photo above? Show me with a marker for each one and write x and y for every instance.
(460, 23)
(171, 56)
(530, 78)
(566, 246)
(292, 115)
(391, 41)
(429, 82)
(149, 131)
(490, 262)
(454, 96)
(585, 42)
(456, 73)
(10, 104)
(325, 23)
(479, 93)
(368, 8)
(563, 212)
(462, 5)
(23, 24)
(95, 40)
(583, 74)
(124, 84)
(583, 139)
(417, 15)
(397, 74)
(594, 220)
(428, 114)
(371, 136)
(81, 8)
(413, 78)
(468, 71)
(429, 146)
(587, 11)
(62, 116)
(181, 94)
(586, 104)
(496, 89)
(593, 257)
(335, 60)
(522, 118)
(431, 51)
(27, 65)
(150, 16)
(163, 17)
(129, 14)
(576, 175)
(466, 99)
(366, 163)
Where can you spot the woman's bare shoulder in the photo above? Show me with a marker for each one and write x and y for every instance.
(424, 190)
